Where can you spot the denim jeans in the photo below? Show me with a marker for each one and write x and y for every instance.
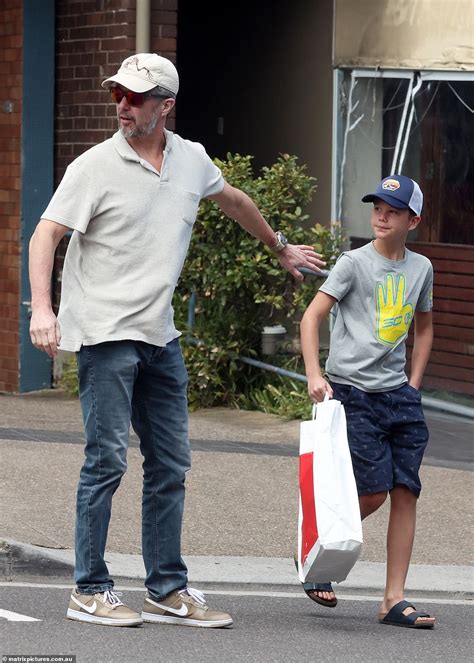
(123, 382)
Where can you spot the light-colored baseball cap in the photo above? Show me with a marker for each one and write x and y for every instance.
(143, 72)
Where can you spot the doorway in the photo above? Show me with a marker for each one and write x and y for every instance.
(259, 82)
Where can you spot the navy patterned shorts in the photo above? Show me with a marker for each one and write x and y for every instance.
(387, 436)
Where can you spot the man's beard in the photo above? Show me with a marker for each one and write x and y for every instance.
(143, 130)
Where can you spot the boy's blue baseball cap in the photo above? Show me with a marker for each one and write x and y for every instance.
(398, 191)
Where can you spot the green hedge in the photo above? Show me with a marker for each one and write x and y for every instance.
(240, 286)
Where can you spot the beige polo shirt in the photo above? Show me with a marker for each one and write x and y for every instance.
(132, 227)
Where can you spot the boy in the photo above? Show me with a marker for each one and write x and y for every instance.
(379, 288)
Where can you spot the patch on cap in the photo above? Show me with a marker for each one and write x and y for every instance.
(391, 185)
(133, 62)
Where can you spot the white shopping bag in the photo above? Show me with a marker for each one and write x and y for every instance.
(329, 527)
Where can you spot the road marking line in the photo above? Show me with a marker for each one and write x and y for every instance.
(341, 597)
(16, 617)
(249, 592)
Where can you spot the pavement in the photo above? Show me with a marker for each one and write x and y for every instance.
(241, 504)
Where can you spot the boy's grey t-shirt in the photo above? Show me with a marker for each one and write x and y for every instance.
(377, 299)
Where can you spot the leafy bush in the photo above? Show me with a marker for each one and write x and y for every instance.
(289, 399)
(286, 397)
(239, 284)
(68, 379)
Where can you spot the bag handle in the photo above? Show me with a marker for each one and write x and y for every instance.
(315, 405)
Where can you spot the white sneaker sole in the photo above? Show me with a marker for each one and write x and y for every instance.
(182, 621)
(106, 621)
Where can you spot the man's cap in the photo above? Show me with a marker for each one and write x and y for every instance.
(398, 191)
(144, 71)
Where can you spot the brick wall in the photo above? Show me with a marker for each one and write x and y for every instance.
(10, 150)
(93, 37)
(164, 28)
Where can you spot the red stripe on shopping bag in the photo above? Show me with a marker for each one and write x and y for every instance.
(309, 529)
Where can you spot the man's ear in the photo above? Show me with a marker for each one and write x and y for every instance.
(168, 105)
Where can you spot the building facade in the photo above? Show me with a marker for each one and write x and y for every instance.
(319, 80)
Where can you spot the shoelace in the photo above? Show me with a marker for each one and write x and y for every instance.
(195, 594)
(112, 598)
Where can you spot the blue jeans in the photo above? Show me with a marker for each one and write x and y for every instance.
(123, 382)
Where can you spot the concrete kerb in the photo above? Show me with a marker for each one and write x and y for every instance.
(18, 560)
(23, 559)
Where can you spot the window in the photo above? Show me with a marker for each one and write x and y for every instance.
(420, 125)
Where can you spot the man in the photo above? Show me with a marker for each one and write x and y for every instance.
(131, 202)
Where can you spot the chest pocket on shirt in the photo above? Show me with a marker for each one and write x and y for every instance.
(181, 203)
(190, 204)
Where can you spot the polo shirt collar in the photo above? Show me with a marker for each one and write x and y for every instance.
(169, 137)
(126, 151)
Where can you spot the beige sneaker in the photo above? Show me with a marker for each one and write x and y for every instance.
(186, 607)
(104, 608)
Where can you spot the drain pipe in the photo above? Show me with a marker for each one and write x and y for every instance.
(142, 23)
(408, 127)
(402, 125)
(446, 406)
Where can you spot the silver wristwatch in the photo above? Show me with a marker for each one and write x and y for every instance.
(280, 243)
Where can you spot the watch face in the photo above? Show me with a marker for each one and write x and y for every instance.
(282, 238)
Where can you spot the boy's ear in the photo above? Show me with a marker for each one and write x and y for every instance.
(414, 221)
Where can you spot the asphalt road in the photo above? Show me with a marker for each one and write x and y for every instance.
(450, 445)
(268, 628)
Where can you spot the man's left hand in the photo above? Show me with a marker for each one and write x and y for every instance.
(295, 256)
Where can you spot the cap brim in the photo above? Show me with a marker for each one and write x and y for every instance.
(390, 200)
(130, 82)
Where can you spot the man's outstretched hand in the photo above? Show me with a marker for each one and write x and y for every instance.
(295, 256)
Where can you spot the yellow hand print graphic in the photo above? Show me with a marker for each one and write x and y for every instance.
(393, 314)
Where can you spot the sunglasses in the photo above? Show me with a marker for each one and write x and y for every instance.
(133, 98)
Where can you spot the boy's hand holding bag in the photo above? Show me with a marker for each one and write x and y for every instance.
(329, 527)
